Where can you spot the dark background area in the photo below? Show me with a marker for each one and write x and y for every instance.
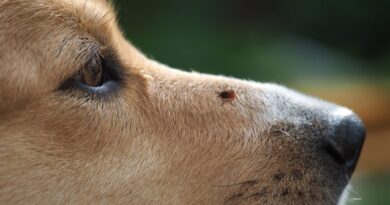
(337, 50)
(264, 40)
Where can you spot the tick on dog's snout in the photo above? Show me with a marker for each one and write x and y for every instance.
(227, 95)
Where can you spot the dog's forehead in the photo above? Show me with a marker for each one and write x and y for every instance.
(94, 16)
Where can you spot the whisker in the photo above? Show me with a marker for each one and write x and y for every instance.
(250, 182)
(286, 133)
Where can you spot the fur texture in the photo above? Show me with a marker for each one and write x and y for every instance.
(162, 137)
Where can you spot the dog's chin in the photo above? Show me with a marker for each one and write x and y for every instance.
(340, 199)
(292, 194)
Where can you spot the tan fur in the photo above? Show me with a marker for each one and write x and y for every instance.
(165, 137)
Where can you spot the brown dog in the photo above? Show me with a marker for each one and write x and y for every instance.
(85, 118)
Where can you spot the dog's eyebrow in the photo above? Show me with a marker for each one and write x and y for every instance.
(64, 43)
(82, 44)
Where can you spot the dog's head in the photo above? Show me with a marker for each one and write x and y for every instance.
(86, 118)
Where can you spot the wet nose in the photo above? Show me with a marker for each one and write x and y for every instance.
(346, 141)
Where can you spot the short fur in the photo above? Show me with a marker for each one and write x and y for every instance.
(164, 137)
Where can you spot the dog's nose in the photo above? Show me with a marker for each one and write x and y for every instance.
(346, 141)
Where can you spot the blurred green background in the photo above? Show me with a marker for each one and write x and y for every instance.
(337, 50)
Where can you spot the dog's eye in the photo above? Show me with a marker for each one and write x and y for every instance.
(99, 75)
(92, 74)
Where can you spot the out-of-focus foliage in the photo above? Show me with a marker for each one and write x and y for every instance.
(264, 40)
(370, 190)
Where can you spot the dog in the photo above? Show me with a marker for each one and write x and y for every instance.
(86, 118)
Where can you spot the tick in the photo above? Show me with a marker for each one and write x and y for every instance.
(227, 95)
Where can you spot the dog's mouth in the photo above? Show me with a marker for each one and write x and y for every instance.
(284, 189)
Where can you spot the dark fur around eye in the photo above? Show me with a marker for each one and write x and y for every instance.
(112, 77)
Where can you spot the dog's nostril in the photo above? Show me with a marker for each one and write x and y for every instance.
(346, 142)
(334, 153)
